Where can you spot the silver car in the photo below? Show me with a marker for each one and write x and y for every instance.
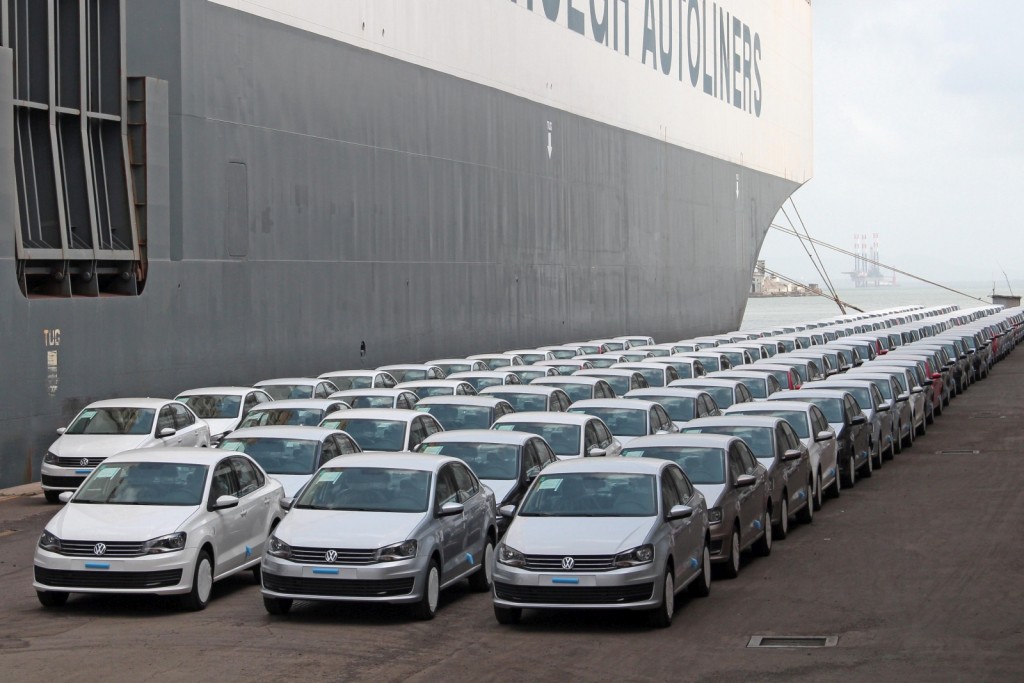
(901, 401)
(426, 388)
(301, 411)
(569, 435)
(393, 528)
(726, 392)
(535, 397)
(883, 419)
(378, 398)
(604, 534)
(222, 408)
(627, 418)
(578, 388)
(465, 412)
(288, 388)
(387, 430)
(359, 379)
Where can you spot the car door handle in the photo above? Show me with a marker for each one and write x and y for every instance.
(243, 513)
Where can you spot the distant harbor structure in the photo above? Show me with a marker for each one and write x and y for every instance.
(768, 284)
(866, 271)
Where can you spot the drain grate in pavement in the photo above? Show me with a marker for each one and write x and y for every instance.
(957, 452)
(793, 641)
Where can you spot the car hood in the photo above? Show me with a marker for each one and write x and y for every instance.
(347, 529)
(87, 522)
(625, 440)
(501, 487)
(577, 535)
(96, 445)
(711, 492)
(768, 463)
(220, 426)
(292, 482)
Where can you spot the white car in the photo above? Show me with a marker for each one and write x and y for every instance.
(223, 408)
(291, 388)
(168, 522)
(106, 428)
(569, 435)
(627, 418)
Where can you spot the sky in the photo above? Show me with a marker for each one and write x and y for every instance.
(918, 136)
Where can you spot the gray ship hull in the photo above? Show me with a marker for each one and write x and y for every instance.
(313, 197)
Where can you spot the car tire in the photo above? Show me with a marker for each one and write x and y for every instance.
(763, 545)
(256, 575)
(52, 598)
(878, 456)
(781, 529)
(868, 467)
(52, 496)
(851, 472)
(202, 584)
(480, 580)
(700, 587)
(661, 616)
(897, 442)
(732, 565)
(837, 484)
(818, 495)
(806, 514)
(508, 616)
(426, 608)
(277, 606)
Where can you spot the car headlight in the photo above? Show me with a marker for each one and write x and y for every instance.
(278, 548)
(631, 558)
(715, 515)
(50, 458)
(398, 551)
(165, 544)
(510, 556)
(48, 541)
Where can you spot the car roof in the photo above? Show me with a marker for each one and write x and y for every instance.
(290, 380)
(483, 401)
(399, 414)
(284, 432)
(629, 403)
(372, 391)
(605, 372)
(350, 373)
(482, 435)
(639, 365)
(745, 374)
(538, 389)
(815, 393)
(702, 381)
(322, 403)
(544, 416)
(131, 403)
(738, 420)
(566, 379)
(404, 460)
(704, 440)
(406, 366)
(608, 466)
(183, 456)
(216, 390)
(430, 383)
(681, 392)
(471, 374)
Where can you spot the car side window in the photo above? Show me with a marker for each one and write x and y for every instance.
(671, 374)
(735, 464)
(417, 434)
(182, 417)
(320, 391)
(328, 450)
(224, 483)
(166, 419)
(745, 394)
(345, 445)
(666, 421)
(604, 435)
(590, 438)
(682, 483)
(748, 459)
(460, 390)
(401, 402)
(246, 476)
(466, 482)
(544, 453)
(851, 408)
(446, 491)
(251, 399)
(669, 493)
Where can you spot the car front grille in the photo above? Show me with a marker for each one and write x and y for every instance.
(63, 482)
(77, 462)
(341, 588)
(107, 579)
(580, 563)
(345, 556)
(110, 548)
(571, 595)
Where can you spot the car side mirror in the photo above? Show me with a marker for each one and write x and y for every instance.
(532, 473)
(859, 419)
(680, 512)
(507, 511)
(936, 375)
(61, 430)
(791, 454)
(224, 502)
(65, 496)
(903, 397)
(596, 452)
(825, 435)
(917, 390)
(883, 408)
(167, 431)
(928, 382)
(745, 480)
(451, 508)
(286, 503)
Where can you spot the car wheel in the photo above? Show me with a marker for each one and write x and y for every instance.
(837, 484)
(52, 496)
(868, 467)
(851, 472)
(782, 528)
(277, 606)
(508, 615)
(806, 514)
(732, 566)
(480, 581)
(52, 598)
(701, 586)
(661, 616)
(930, 418)
(897, 442)
(256, 575)
(426, 608)
(878, 456)
(763, 545)
(202, 584)
(817, 491)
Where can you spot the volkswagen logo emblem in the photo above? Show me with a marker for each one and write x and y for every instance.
(331, 556)
(568, 563)
(83, 462)
(101, 549)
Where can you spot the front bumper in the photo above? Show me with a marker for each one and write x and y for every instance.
(163, 574)
(56, 478)
(631, 588)
(394, 582)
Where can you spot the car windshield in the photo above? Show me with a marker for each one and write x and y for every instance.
(735, 357)
(711, 364)
(801, 371)
(723, 395)
(370, 401)
(371, 489)
(487, 460)
(863, 396)
(429, 390)
(702, 465)
(283, 392)
(495, 363)
(679, 408)
(797, 419)
(344, 382)
(278, 456)
(759, 439)
(654, 376)
(621, 421)
(527, 374)
(884, 387)
(619, 384)
(213, 406)
(408, 375)
(143, 483)
(684, 370)
(564, 354)
(524, 402)
(530, 358)
(603, 362)
(758, 387)
(832, 407)
(304, 417)
(371, 434)
(564, 439)
(449, 368)
(578, 392)
(484, 382)
(113, 421)
(592, 494)
(459, 417)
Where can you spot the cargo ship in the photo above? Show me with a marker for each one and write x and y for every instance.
(201, 192)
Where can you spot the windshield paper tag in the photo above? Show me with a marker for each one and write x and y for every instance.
(632, 454)
(329, 476)
(107, 472)
(551, 484)
(433, 450)
(505, 428)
